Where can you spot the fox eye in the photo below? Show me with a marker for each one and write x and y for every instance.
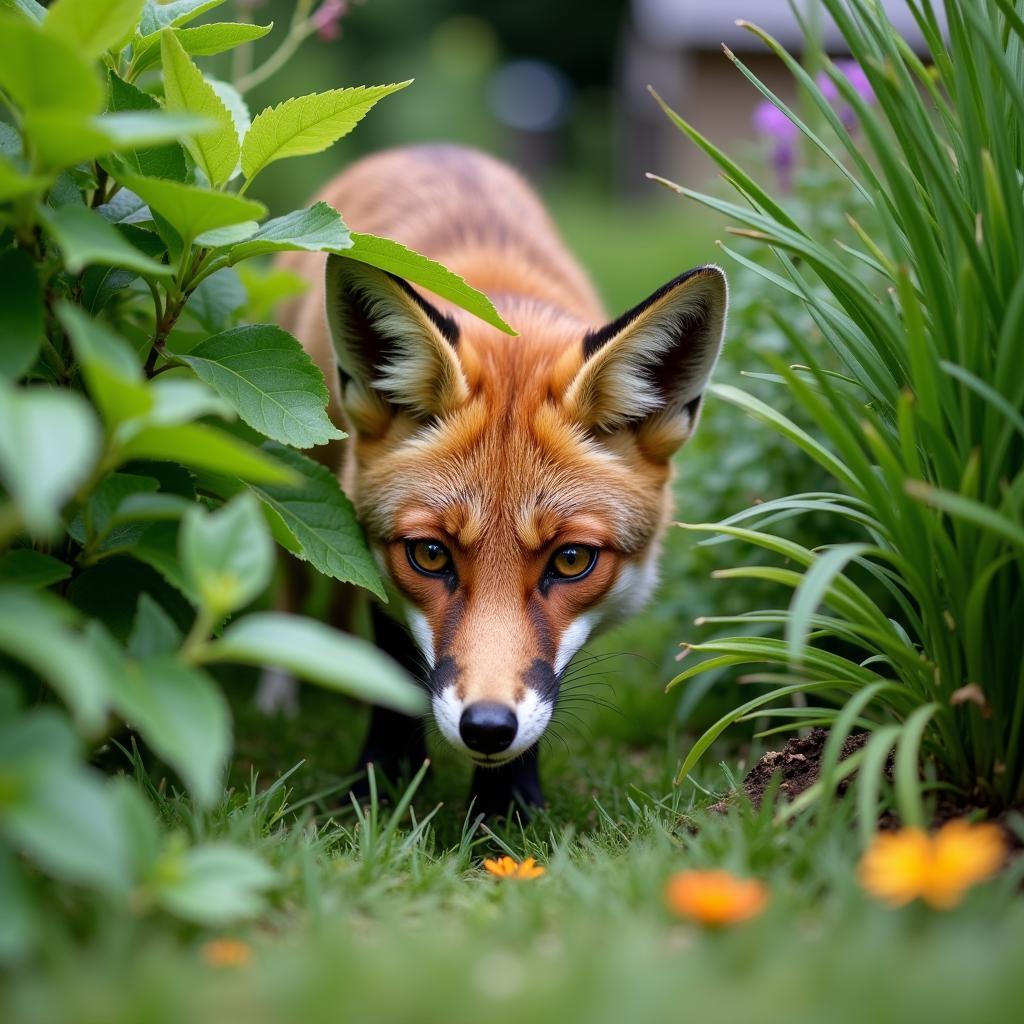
(572, 561)
(429, 556)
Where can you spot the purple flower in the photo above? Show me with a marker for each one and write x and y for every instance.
(326, 17)
(854, 74)
(771, 124)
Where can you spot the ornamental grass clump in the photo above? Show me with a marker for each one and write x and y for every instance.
(905, 618)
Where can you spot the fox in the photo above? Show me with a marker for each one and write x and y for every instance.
(514, 490)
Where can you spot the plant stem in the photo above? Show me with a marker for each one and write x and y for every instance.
(300, 29)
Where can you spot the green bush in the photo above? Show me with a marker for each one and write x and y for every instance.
(921, 427)
(148, 442)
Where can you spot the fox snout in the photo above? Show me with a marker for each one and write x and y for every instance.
(492, 731)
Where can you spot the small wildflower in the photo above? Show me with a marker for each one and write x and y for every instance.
(903, 866)
(227, 953)
(772, 124)
(327, 16)
(506, 867)
(715, 898)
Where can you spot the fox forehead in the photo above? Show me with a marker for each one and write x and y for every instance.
(520, 476)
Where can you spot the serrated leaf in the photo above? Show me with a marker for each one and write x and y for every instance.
(84, 238)
(190, 210)
(93, 26)
(307, 124)
(318, 229)
(205, 447)
(322, 520)
(158, 15)
(215, 151)
(41, 72)
(200, 41)
(315, 652)
(23, 567)
(49, 443)
(227, 555)
(21, 299)
(271, 382)
(182, 715)
(395, 258)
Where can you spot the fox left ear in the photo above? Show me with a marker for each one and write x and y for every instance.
(648, 369)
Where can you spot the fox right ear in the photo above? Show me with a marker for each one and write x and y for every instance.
(394, 348)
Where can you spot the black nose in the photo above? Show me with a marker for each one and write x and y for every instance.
(488, 728)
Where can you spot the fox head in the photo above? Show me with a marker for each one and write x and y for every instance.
(514, 489)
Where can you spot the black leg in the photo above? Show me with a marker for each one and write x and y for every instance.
(514, 786)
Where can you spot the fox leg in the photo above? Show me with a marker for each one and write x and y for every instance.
(395, 744)
(515, 785)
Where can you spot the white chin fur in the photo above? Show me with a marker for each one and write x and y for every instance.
(532, 713)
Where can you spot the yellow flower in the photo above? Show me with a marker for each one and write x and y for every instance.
(909, 864)
(715, 898)
(506, 867)
(227, 953)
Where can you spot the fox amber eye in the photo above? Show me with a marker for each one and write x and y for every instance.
(573, 561)
(429, 556)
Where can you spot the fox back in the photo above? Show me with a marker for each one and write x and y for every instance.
(514, 489)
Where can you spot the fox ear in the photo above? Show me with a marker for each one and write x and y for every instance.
(647, 370)
(394, 348)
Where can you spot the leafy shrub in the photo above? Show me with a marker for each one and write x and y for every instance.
(921, 427)
(148, 440)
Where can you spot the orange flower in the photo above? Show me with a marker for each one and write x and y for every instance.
(227, 953)
(506, 867)
(909, 864)
(715, 898)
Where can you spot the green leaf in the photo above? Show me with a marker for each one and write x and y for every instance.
(204, 447)
(167, 161)
(183, 716)
(267, 287)
(49, 443)
(60, 139)
(318, 229)
(14, 183)
(268, 378)
(190, 210)
(227, 555)
(154, 632)
(322, 521)
(98, 517)
(395, 258)
(35, 630)
(307, 124)
(157, 547)
(201, 41)
(26, 8)
(109, 366)
(216, 301)
(214, 884)
(23, 567)
(93, 26)
(41, 72)
(215, 151)
(84, 237)
(158, 15)
(183, 400)
(319, 654)
(21, 299)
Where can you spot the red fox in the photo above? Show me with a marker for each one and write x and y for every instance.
(514, 490)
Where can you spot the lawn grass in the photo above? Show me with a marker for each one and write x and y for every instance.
(379, 920)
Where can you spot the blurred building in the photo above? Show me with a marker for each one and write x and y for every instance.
(676, 46)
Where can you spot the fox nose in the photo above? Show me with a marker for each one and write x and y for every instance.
(488, 728)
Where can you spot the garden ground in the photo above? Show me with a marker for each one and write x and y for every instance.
(378, 920)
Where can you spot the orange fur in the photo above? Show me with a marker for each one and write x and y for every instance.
(508, 464)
